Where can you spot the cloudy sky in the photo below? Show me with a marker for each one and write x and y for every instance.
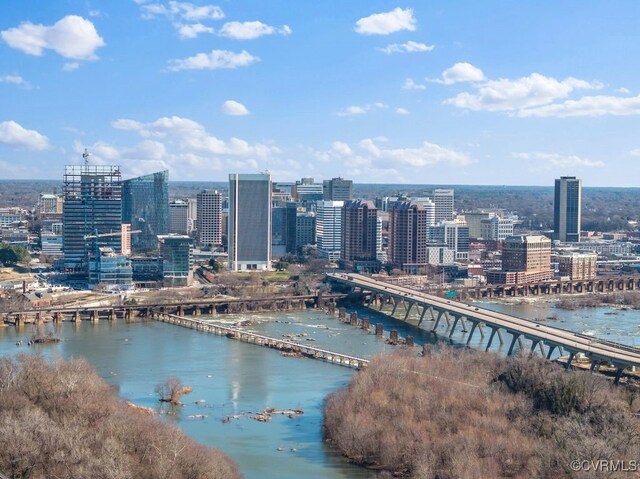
(465, 92)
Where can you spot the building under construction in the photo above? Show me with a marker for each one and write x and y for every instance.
(92, 208)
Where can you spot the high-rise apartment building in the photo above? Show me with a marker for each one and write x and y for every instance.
(92, 207)
(444, 204)
(209, 218)
(567, 209)
(359, 231)
(145, 206)
(249, 222)
(525, 259)
(337, 189)
(408, 236)
(578, 266)
(329, 229)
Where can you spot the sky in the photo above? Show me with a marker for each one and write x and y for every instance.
(505, 92)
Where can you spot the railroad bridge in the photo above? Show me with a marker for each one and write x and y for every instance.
(189, 307)
(598, 285)
(455, 315)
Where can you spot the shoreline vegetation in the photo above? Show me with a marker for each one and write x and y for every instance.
(459, 413)
(616, 300)
(60, 419)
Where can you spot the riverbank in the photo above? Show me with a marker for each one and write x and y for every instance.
(466, 414)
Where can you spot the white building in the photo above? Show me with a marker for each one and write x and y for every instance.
(496, 228)
(209, 218)
(329, 229)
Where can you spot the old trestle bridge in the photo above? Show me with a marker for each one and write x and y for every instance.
(456, 314)
(187, 307)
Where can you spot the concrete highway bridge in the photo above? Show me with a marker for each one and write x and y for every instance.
(544, 338)
(187, 307)
(597, 285)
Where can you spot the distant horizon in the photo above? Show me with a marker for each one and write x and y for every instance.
(453, 186)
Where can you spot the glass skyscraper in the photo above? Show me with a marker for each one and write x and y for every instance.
(145, 205)
(92, 213)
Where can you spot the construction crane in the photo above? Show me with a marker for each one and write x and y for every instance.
(105, 235)
(86, 156)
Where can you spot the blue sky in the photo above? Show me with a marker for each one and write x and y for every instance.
(465, 92)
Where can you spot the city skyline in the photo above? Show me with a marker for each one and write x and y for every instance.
(391, 92)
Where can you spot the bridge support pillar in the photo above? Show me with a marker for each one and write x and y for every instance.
(379, 329)
(550, 351)
(619, 372)
(395, 306)
(454, 326)
(570, 360)
(409, 341)
(353, 319)
(473, 329)
(365, 324)
(516, 337)
(424, 310)
(595, 365)
(393, 336)
(494, 330)
(406, 315)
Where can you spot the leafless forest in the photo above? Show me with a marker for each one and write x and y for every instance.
(60, 420)
(455, 414)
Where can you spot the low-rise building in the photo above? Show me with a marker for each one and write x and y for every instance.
(577, 266)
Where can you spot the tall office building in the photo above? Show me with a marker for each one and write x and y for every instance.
(179, 217)
(92, 207)
(329, 229)
(443, 200)
(145, 206)
(359, 235)
(408, 236)
(305, 229)
(177, 259)
(306, 191)
(249, 222)
(525, 259)
(567, 214)
(453, 234)
(337, 189)
(209, 218)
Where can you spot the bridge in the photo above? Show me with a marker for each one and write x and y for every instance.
(289, 347)
(457, 314)
(191, 307)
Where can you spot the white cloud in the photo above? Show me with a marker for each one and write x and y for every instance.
(461, 72)
(71, 37)
(234, 108)
(425, 155)
(251, 30)
(402, 111)
(341, 148)
(551, 161)
(189, 136)
(525, 92)
(184, 10)
(192, 30)
(217, 59)
(14, 135)
(70, 66)
(408, 47)
(635, 152)
(14, 80)
(598, 105)
(409, 84)
(354, 110)
(386, 23)
(623, 90)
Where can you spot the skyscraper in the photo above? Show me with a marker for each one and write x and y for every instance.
(567, 214)
(337, 189)
(145, 206)
(209, 218)
(92, 207)
(359, 232)
(249, 222)
(329, 229)
(408, 236)
(443, 200)
(179, 217)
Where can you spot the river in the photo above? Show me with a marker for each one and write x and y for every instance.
(234, 378)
